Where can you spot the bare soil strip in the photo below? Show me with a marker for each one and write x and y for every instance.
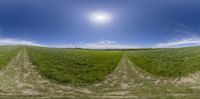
(21, 78)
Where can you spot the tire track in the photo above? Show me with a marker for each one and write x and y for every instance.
(20, 77)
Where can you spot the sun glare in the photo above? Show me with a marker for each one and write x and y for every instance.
(100, 17)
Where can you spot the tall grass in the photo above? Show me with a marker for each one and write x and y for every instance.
(7, 53)
(168, 62)
(75, 66)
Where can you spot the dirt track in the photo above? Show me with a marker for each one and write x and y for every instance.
(21, 78)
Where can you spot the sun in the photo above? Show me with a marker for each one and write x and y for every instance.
(100, 17)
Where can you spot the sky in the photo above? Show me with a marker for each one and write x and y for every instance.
(100, 23)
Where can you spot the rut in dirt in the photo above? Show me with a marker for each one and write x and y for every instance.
(20, 77)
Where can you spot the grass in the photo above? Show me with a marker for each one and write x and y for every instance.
(7, 53)
(168, 62)
(126, 81)
(76, 66)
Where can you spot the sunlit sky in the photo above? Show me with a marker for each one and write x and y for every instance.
(100, 23)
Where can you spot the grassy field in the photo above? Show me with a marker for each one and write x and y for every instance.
(7, 53)
(168, 62)
(100, 74)
(74, 65)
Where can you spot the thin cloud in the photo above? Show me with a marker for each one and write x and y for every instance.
(62, 46)
(106, 44)
(184, 42)
(103, 44)
(9, 41)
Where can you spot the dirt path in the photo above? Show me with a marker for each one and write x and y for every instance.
(20, 77)
(129, 81)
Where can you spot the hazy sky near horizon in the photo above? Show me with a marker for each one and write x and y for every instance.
(100, 23)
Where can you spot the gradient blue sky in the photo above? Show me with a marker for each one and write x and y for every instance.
(134, 23)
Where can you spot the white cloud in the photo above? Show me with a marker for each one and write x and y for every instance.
(106, 44)
(9, 41)
(62, 46)
(183, 42)
(103, 44)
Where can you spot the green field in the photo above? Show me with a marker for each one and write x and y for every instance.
(43, 72)
(7, 53)
(74, 65)
(168, 62)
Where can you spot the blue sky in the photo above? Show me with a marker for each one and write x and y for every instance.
(131, 23)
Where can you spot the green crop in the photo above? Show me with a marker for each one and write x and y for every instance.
(168, 62)
(7, 53)
(75, 66)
